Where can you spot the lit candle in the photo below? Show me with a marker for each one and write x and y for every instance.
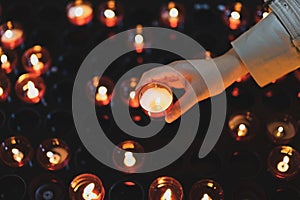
(284, 162)
(234, 20)
(155, 99)
(139, 39)
(282, 129)
(206, 189)
(79, 13)
(53, 154)
(165, 188)
(242, 130)
(173, 15)
(110, 13)
(206, 197)
(86, 187)
(30, 88)
(36, 60)
(11, 36)
(5, 64)
(127, 92)
(167, 195)
(128, 156)
(5, 87)
(101, 96)
(17, 155)
(16, 151)
(283, 166)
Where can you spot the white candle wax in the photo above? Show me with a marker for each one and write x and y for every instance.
(156, 99)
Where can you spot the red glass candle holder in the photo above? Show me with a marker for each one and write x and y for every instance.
(172, 15)
(281, 129)
(5, 87)
(165, 188)
(110, 13)
(100, 90)
(79, 12)
(128, 94)
(8, 59)
(206, 190)
(16, 151)
(236, 16)
(156, 99)
(53, 154)
(30, 88)
(12, 35)
(36, 60)
(86, 187)
(284, 162)
(128, 156)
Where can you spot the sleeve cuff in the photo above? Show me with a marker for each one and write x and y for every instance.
(267, 51)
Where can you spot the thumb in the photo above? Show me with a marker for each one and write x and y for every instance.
(181, 106)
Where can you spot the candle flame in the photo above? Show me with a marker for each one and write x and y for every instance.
(129, 159)
(132, 94)
(53, 158)
(4, 58)
(78, 11)
(17, 155)
(235, 15)
(206, 197)
(242, 130)
(173, 12)
(1, 91)
(265, 14)
(167, 195)
(32, 91)
(102, 90)
(8, 34)
(88, 193)
(34, 59)
(279, 132)
(139, 39)
(109, 14)
(157, 101)
(283, 166)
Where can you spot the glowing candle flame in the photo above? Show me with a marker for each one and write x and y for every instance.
(280, 131)
(78, 11)
(32, 91)
(174, 12)
(132, 94)
(242, 130)
(102, 94)
(37, 65)
(4, 58)
(167, 195)
(8, 34)
(1, 91)
(109, 14)
(206, 197)
(139, 39)
(17, 155)
(265, 14)
(235, 15)
(283, 166)
(53, 158)
(129, 160)
(88, 193)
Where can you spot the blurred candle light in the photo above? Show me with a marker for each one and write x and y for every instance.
(30, 88)
(53, 154)
(206, 190)
(127, 92)
(80, 12)
(5, 87)
(86, 187)
(100, 90)
(281, 129)
(172, 15)
(284, 162)
(16, 151)
(36, 60)
(165, 188)
(128, 156)
(155, 99)
(235, 16)
(139, 39)
(110, 13)
(242, 126)
(8, 60)
(11, 34)
(261, 13)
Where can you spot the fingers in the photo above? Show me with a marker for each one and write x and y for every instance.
(181, 106)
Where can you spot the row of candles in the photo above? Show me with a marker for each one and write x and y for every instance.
(111, 14)
(54, 154)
